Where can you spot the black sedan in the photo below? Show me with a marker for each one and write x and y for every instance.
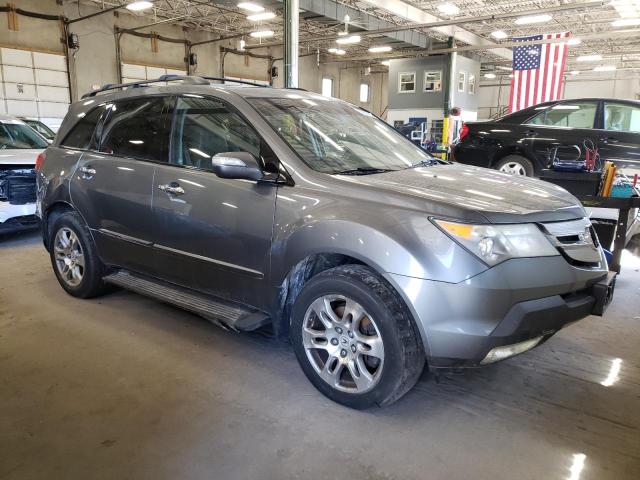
(521, 142)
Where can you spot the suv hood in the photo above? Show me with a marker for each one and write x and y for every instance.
(499, 197)
(19, 156)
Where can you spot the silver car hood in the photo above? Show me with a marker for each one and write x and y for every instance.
(499, 197)
(19, 156)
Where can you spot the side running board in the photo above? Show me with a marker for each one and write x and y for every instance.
(223, 313)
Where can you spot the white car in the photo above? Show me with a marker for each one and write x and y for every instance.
(20, 146)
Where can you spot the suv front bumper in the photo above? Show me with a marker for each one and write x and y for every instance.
(465, 324)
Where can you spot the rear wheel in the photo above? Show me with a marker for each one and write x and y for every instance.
(354, 338)
(515, 165)
(74, 257)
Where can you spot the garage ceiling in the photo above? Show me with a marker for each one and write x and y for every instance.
(472, 22)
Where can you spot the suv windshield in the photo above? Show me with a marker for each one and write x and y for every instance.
(336, 137)
(19, 135)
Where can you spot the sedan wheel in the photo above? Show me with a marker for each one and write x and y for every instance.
(343, 344)
(513, 168)
(69, 257)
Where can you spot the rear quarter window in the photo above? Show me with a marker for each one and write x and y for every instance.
(81, 134)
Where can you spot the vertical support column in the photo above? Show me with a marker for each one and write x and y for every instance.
(449, 92)
(291, 29)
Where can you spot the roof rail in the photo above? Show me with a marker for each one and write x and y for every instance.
(188, 79)
(242, 82)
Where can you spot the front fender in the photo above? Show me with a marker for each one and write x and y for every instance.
(389, 239)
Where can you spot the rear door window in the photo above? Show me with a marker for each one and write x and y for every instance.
(138, 128)
(81, 134)
(568, 114)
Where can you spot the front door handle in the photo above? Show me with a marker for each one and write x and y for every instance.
(530, 133)
(172, 188)
(87, 172)
(609, 140)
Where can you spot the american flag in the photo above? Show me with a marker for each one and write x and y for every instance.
(538, 70)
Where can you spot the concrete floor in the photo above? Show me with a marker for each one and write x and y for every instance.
(124, 387)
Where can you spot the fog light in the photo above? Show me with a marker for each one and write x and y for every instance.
(500, 353)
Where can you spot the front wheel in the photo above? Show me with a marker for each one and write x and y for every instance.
(515, 165)
(354, 338)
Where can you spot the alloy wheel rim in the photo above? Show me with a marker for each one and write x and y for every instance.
(69, 257)
(514, 168)
(343, 344)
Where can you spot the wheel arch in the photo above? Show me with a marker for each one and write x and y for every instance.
(316, 263)
(49, 215)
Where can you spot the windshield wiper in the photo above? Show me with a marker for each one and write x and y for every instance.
(362, 171)
(427, 163)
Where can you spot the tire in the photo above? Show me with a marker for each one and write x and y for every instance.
(514, 163)
(381, 331)
(82, 279)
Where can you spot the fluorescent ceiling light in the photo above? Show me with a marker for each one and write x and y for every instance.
(262, 34)
(499, 35)
(574, 41)
(448, 9)
(589, 58)
(604, 68)
(506, 69)
(489, 75)
(250, 7)
(139, 5)
(626, 22)
(526, 20)
(575, 72)
(386, 63)
(380, 49)
(336, 51)
(256, 17)
(348, 40)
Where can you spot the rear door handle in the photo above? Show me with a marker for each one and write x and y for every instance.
(87, 172)
(609, 140)
(530, 133)
(172, 188)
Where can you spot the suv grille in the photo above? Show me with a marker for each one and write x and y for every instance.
(577, 241)
(18, 185)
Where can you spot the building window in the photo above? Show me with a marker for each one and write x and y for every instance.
(433, 81)
(364, 92)
(327, 87)
(462, 79)
(407, 82)
(471, 89)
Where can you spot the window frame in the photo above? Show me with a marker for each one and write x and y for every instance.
(331, 79)
(368, 100)
(437, 83)
(471, 81)
(604, 111)
(596, 116)
(462, 80)
(263, 143)
(400, 74)
(96, 144)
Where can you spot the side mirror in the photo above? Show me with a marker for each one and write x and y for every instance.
(236, 165)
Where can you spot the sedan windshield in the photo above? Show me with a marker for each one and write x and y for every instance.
(19, 136)
(336, 137)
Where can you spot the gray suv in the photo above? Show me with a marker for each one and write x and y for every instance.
(308, 217)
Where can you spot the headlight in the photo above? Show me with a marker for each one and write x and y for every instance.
(496, 243)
